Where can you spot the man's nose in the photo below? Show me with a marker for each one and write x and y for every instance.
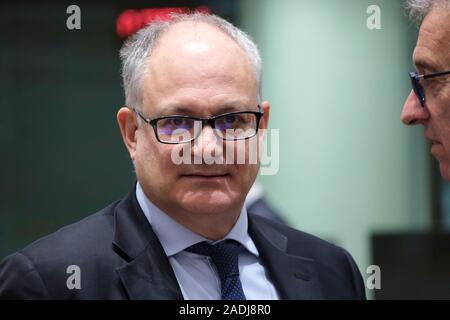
(413, 113)
(207, 142)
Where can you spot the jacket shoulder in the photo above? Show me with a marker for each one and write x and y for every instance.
(334, 264)
(299, 242)
(86, 235)
(40, 270)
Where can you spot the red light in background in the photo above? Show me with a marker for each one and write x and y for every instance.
(130, 21)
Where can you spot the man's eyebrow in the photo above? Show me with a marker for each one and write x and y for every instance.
(233, 108)
(176, 109)
(180, 109)
(425, 65)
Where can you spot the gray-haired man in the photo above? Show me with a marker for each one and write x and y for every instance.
(192, 87)
(428, 103)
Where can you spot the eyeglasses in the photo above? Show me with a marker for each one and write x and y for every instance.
(418, 88)
(183, 129)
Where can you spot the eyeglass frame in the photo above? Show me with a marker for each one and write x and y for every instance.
(209, 121)
(417, 87)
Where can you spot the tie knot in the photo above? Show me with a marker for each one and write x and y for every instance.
(229, 247)
(225, 256)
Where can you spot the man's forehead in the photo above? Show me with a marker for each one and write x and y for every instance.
(195, 44)
(199, 62)
(190, 51)
(432, 51)
(197, 47)
(185, 32)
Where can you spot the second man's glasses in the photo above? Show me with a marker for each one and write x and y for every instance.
(418, 88)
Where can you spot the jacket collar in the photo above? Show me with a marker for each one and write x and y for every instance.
(147, 273)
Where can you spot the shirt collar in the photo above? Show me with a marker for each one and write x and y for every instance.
(165, 227)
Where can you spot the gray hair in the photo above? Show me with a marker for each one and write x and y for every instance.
(418, 9)
(136, 51)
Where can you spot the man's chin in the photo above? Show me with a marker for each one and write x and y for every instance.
(208, 202)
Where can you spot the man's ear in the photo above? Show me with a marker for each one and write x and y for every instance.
(264, 122)
(128, 126)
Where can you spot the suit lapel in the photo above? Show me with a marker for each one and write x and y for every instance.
(147, 273)
(295, 277)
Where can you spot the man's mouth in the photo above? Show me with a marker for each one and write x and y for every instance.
(206, 175)
(436, 149)
(432, 140)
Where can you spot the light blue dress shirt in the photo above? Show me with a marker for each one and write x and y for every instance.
(196, 274)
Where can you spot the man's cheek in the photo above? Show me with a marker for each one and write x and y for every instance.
(239, 152)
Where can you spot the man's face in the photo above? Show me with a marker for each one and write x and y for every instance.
(195, 71)
(432, 54)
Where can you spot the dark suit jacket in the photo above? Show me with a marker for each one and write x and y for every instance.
(120, 257)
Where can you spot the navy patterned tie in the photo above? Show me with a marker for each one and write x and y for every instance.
(225, 257)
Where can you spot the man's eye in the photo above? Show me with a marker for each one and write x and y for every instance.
(230, 119)
(432, 85)
(175, 123)
(178, 121)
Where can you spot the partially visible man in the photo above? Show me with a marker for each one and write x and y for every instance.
(428, 103)
(192, 89)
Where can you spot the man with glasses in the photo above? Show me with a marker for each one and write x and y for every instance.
(192, 89)
(428, 103)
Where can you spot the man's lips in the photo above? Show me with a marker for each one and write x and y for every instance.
(206, 175)
(436, 148)
(432, 140)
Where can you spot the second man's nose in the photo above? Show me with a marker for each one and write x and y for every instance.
(412, 112)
